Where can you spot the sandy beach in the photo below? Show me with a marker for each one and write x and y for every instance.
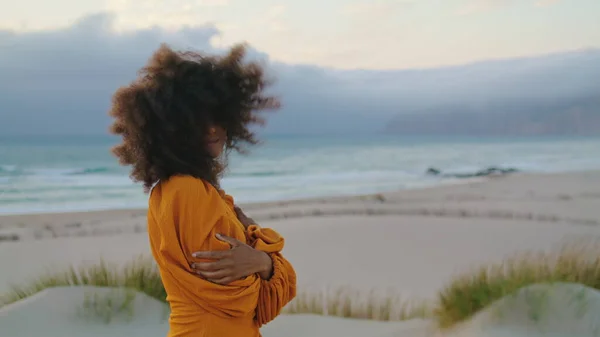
(408, 243)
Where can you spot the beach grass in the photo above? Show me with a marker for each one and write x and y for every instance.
(348, 302)
(463, 297)
(106, 306)
(469, 293)
(140, 274)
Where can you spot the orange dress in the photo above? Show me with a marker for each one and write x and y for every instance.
(184, 215)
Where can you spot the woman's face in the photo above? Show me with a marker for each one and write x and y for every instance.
(215, 140)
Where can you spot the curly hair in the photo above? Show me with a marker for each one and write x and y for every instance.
(164, 115)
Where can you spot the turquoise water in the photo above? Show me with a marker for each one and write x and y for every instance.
(54, 174)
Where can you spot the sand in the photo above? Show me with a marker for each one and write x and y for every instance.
(62, 312)
(408, 243)
(539, 310)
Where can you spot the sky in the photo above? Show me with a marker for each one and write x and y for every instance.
(344, 34)
(344, 67)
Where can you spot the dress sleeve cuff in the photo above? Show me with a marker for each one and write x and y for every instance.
(277, 275)
(265, 239)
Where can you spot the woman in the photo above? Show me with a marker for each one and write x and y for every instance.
(223, 274)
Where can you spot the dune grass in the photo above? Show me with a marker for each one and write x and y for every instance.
(469, 293)
(106, 306)
(353, 303)
(463, 297)
(141, 274)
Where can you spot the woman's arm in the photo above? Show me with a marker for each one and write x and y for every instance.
(229, 265)
(278, 278)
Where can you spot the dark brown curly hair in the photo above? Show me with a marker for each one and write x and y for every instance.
(164, 115)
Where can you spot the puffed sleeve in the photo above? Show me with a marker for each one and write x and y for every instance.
(280, 289)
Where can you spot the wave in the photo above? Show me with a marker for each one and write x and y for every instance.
(93, 170)
(15, 171)
(267, 173)
(10, 170)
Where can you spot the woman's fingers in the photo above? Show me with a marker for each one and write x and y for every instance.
(219, 274)
(213, 270)
(233, 242)
(245, 220)
(213, 255)
(239, 213)
(224, 280)
(216, 274)
(213, 265)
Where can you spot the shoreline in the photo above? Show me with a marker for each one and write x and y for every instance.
(429, 201)
(441, 183)
(141, 211)
(449, 182)
(330, 197)
(426, 181)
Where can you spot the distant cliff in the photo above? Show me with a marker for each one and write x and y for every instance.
(577, 116)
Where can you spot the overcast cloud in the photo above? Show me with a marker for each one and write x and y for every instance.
(61, 81)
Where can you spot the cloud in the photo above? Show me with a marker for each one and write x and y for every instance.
(270, 28)
(61, 81)
(480, 6)
(376, 10)
(546, 3)
(273, 19)
(135, 14)
(53, 78)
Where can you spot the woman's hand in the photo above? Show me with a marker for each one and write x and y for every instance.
(246, 221)
(234, 264)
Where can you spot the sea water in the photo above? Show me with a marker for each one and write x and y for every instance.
(57, 174)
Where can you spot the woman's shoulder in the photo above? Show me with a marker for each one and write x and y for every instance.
(182, 191)
(185, 186)
(183, 180)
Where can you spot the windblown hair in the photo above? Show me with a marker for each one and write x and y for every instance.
(164, 115)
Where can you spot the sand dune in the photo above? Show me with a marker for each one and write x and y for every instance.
(535, 311)
(84, 312)
(555, 310)
(96, 312)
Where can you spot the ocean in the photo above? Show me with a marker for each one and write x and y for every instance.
(58, 174)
